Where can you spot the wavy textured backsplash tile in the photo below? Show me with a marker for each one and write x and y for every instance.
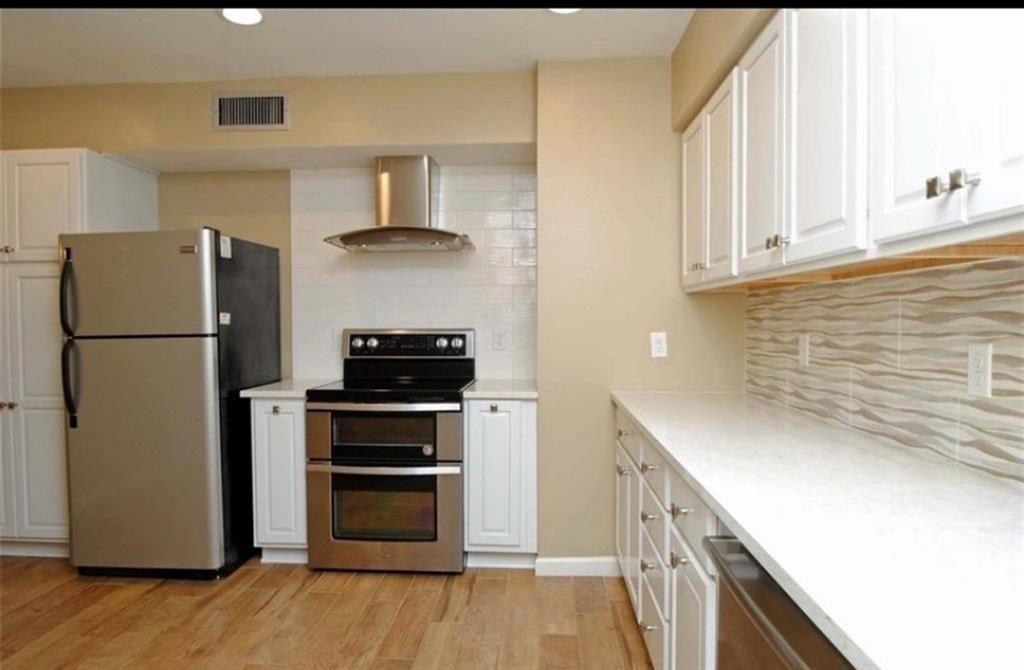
(888, 357)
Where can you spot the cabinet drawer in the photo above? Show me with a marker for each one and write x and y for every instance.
(652, 519)
(655, 572)
(655, 471)
(653, 627)
(691, 516)
(629, 436)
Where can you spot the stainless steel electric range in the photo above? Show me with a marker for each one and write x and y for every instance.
(384, 450)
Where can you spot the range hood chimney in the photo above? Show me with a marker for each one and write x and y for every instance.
(408, 190)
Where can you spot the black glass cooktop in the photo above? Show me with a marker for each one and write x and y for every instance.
(391, 390)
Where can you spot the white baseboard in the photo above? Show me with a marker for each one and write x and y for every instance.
(29, 548)
(290, 555)
(482, 559)
(577, 566)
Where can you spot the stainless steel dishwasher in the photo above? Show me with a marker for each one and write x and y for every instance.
(759, 625)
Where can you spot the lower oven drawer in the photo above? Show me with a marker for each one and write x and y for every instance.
(372, 517)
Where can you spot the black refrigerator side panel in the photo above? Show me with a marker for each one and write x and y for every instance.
(249, 348)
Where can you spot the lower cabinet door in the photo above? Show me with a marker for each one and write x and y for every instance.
(693, 614)
(494, 471)
(654, 628)
(623, 516)
(279, 471)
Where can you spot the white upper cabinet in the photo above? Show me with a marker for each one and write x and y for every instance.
(501, 476)
(693, 202)
(947, 96)
(827, 132)
(722, 169)
(762, 135)
(43, 199)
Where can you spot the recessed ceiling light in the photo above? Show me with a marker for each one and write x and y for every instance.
(242, 17)
(564, 11)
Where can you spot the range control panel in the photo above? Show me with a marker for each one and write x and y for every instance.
(432, 343)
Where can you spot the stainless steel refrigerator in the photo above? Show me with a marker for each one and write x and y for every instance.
(162, 331)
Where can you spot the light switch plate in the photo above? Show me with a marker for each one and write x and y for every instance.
(659, 344)
(979, 369)
(805, 349)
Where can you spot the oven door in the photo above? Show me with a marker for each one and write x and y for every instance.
(385, 517)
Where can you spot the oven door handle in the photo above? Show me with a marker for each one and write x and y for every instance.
(385, 406)
(385, 470)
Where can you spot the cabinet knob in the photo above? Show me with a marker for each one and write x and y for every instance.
(647, 516)
(960, 177)
(676, 560)
(12, 405)
(779, 241)
(934, 187)
(647, 628)
(276, 409)
(675, 510)
(3, 405)
(647, 467)
(768, 242)
(645, 566)
(494, 407)
(624, 433)
(619, 470)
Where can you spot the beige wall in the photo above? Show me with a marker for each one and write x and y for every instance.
(711, 45)
(251, 205)
(492, 107)
(608, 274)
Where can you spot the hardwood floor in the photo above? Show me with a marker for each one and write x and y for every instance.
(264, 617)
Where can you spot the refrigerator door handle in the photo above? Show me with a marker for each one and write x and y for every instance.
(65, 285)
(70, 404)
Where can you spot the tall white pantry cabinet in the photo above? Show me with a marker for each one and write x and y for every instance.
(47, 192)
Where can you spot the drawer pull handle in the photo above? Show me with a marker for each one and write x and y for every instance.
(620, 471)
(647, 467)
(624, 433)
(494, 408)
(276, 409)
(676, 560)
(647, 628)
(646, 516)
(675, 510)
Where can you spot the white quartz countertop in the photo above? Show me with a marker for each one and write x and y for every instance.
(286, 388)
(905, 560)
(502, 389)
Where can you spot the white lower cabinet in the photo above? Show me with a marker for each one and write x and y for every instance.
(500, 465)
(279, 473)
(674, 597)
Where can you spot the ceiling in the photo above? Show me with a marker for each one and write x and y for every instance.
(72, 46)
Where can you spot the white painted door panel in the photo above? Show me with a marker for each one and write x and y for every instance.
(279, 455)
(624, 512)
(43, 199)
(722, 169)
(827, 105)
(916, 120)
(494, 475)
(7, 525)
(762, 133)
(693, 204)
(693, 611)
(38, 420)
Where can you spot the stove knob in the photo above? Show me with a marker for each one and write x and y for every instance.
(357, 343)
(372, 343)
(441, 342)
(457, 343)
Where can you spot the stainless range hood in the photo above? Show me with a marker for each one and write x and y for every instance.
(408, 190)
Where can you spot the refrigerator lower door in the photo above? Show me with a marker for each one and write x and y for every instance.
(145, 283)
(144, 460)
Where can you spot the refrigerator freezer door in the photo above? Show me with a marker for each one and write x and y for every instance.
(143, 462)
(147, 283)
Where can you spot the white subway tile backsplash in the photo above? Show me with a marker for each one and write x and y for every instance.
(333, 289)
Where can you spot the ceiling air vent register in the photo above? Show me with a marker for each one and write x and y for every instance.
(250, 111)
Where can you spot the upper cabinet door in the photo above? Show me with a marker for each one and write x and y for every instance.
(827, 123)
(693, 202)
(762, 135)
(988, 61)
(917, 119)
(722, 169)
(43, 200)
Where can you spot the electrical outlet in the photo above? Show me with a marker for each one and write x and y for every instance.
(805, 349)
(979, 369)
(499, 339)
(659, 344)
